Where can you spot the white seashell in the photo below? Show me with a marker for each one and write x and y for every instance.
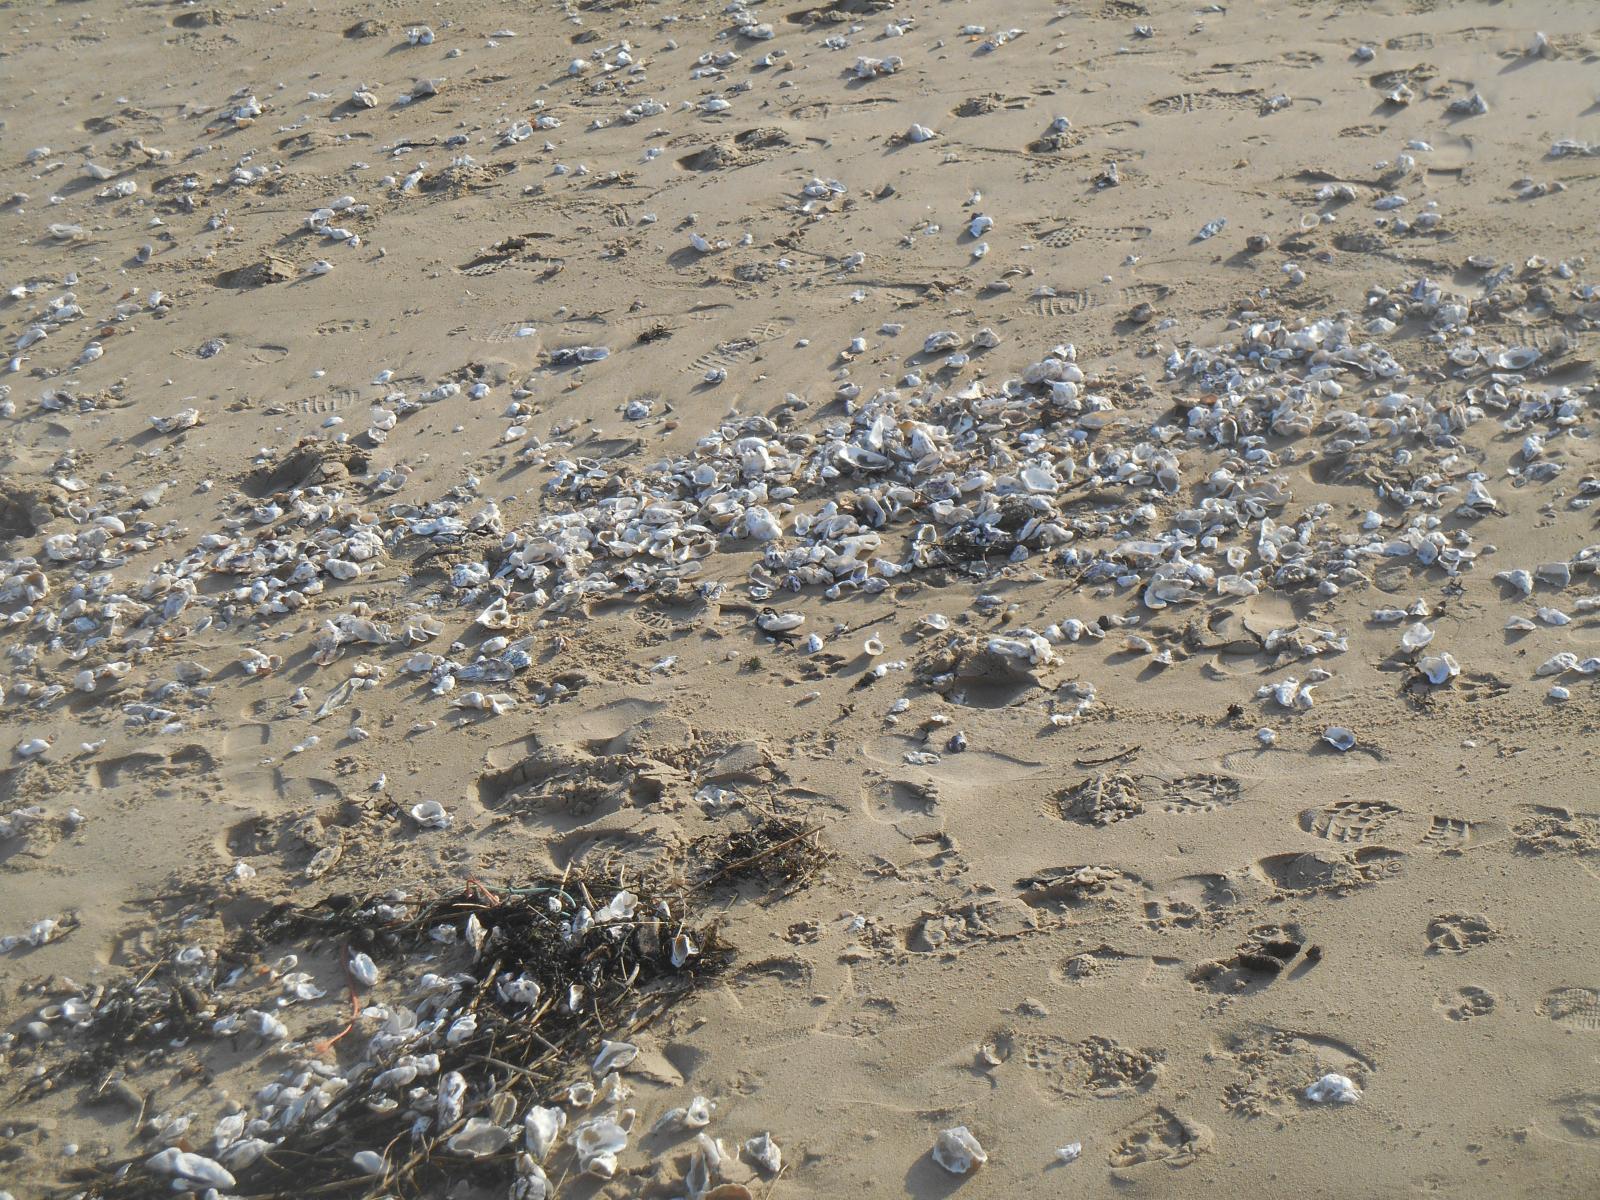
(186, 419)
(541, 1129)
(613, 1056)
(369, 1161)
(1519, 579)
(480, 1138)
(698, 1114)
(1516, 358)
(620, 907)
(1557, 692)
(683, 949)
(1335, 1089)
(920, 133)
(1438, 668)
(764, 1152)
(872, 647)
(777, 622)
(1416, 636)
(1557, 663)
(957, 1151)
(1069, 1153)
(1554, 616)
(362, 969)
(1557, 574)
(597, 1144)
(430, 814)
(1340, 738)
(521, 990)
(531, 1182)
(32, 747)
(190, 1168)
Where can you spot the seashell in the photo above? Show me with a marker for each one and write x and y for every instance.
(185, 419)
(32, 747)
(1519, 579)
(369, 1161)
(683, 949)
(1416, 636)
(957, 1151)
(1557, 574)
(362, 969)
(1340, 738)
(541, 1129)
(597, 1143)
(1516, 358)
(189, 1168)
(480, 1138)
(1333, 1089)
(531, 1182)
(764, 1152)
(430, 814)
(613, 1056)
(1438, 668)
(773, 621)
(872, 647)
(920, 133)
(1556, 664)
(324, 860)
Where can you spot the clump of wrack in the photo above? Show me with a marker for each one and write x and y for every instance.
(486, 1035)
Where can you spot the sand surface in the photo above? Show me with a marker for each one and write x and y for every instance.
(1055, 563)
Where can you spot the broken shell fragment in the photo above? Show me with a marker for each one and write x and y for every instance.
(1333, 1089)
(430, 814)
(1340, 738)
(958, 1152)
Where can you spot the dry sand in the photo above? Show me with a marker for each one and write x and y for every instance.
(1053, 936)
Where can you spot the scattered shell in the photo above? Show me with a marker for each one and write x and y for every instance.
(1339, 737)
(1333, 1089)
(957, 1151)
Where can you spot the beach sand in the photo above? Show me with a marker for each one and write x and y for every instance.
(1078, 899)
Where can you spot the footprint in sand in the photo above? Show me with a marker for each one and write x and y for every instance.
(1272, 1066)
(1573, 1007)
(1322, 871)
(1100, 1067)
(1348, 820)
(902, 802)
(1467, 1003)
(1195, 900)
(1456, 933)
(1107, 966)
(1358, 822)
(1160, 1136)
